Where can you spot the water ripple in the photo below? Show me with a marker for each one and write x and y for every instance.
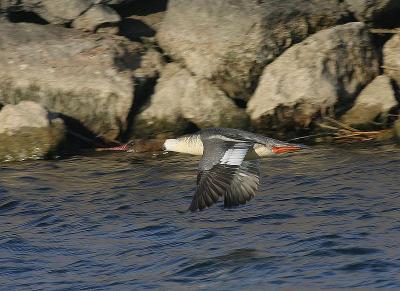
(325, 219)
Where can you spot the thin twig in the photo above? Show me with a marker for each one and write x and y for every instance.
(323, 125)
(343, 125)
(390, 68)
(383, 30)
(307, 136)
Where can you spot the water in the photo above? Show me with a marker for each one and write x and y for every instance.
(324, 219)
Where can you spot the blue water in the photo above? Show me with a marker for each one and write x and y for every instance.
(329, 218)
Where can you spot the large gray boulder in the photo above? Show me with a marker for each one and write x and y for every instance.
(58, 11)
(180, 99)
(397, 129)
(375, 100)
(374, 10)
(328, 68)
(230, 42)
(28, 131)
(391, 58)
(87, 77)
(96, 16)
(83, 14)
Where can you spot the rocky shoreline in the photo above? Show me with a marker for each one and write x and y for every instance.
(78, 74)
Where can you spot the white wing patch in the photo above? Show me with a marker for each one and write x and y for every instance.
(234, 156)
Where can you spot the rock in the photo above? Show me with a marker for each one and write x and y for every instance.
(230, 42)
(25, 114)
(135, 27)
(96, 16)
(397, 129)
(391, 58)
(374, 10)
(28, 131)
(330, 66)
(151, 65)
(181, 99)
(115, 2)
(59, 11)
(88, 77)
(9, 5)
(375, 100)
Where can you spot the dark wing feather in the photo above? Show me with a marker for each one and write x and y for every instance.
(211, 184)
(217, 169)
(244, 184)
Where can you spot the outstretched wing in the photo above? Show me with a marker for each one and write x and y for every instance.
(219, 166)
(244, 184)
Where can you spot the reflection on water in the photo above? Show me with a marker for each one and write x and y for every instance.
(327, 218)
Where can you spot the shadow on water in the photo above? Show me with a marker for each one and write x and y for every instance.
(327, 218)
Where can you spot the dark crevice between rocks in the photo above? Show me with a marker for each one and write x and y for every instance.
(25, 16)
(378, 42)
(388, 19)
(141, 7)
(139, 19)
(127, 61)
(191, 128)
(78, 137)
(144, 89)
(104, 26)
(240, 103)
(134, 29)
(350, 17)
(396, 90)
(346, 102)
(394, 113)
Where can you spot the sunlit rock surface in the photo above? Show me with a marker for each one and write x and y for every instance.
(29, 131)
(374, 10)
(311, 77)
(375, 100)
(180, 99)
(90, 78)
(391, 58)
(231, 41)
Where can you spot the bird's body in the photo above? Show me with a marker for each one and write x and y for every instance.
(192, 144)
(229, 165)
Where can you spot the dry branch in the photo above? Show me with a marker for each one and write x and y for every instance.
(384, 31)
(342, 132)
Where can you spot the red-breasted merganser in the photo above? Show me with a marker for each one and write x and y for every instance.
(229, 165)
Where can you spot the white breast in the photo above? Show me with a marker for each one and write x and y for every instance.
(188, 145)
(258, 151)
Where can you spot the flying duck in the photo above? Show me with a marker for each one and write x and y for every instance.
(229, 166)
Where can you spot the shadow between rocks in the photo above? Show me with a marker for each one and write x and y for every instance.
(78, 137)
(143, 90)
(141, 8)
(25, 16)
(134, 29)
